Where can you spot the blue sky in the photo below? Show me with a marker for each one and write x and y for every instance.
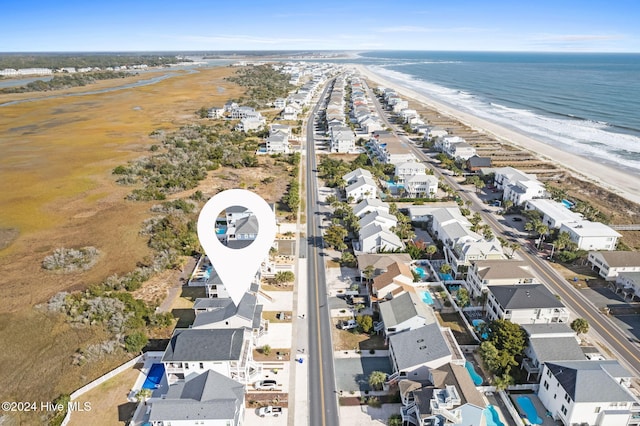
(141, 25)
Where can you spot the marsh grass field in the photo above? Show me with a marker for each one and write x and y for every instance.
(57, 190)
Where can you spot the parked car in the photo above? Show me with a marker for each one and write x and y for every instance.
(270, 411)
(348, 325)
(516, 219)
(266, 385)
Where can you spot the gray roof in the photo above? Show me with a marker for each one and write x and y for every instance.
(548, 328)
(207, 396)
(414, 347)
(592, 381)
(403, 308)
(235, 209)
(503, 269)
(205, 345)
(247, 225)
(524, 296)
(220, 309)
(618, 259)
(556, 349)
(458, 376)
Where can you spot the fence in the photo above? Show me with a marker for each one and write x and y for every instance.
(512, 410)
(86, 388)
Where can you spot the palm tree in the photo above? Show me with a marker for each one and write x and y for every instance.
(431, 250)
(377, 379)
(368, 272)
(445, 268)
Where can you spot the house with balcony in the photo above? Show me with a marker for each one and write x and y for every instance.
(249, 124)
(524, 304)
(609, 264)
(591, 235)
(468, 249)
(362, 189)
(628, 284)
(421, 186)
(212, 313)
(406, 170)
(460, 151)
(522, 191)
(342, 139)
(588, 393)
(386, 220)
(209, 398)
(356, 174)
(414, 353)
(394, 281)
(226, 351)
(277, 143)
(550, 342)
(483, 273)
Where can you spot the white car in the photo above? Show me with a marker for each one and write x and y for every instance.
(348, 325)
(266, 385)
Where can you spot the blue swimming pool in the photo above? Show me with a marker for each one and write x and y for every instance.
(426, 297)
(477, 379)
(529, 410)
(421, 272)
(154, 377)
(492, 417)
(476, 324)
(445, 277)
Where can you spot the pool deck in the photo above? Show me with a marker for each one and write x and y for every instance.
(542, 412)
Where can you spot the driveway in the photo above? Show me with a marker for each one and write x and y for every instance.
(352, 374)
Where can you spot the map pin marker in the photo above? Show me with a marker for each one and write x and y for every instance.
(236, 267)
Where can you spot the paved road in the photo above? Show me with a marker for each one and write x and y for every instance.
(323, 403)
(615, 339)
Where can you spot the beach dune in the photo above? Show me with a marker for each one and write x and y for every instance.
(615, 180)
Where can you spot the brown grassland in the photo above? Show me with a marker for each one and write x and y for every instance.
(56, 190)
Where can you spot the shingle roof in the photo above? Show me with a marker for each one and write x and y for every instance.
(619, 259)
(415, 347)
(524, 296)
(502, 269)
(207, 396)
(205, 345)
(556, 349)
(247, 225)
(403, 308)
(382, 260)
(591, 381)
(458, 376)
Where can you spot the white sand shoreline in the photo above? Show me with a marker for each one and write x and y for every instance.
(617, 181)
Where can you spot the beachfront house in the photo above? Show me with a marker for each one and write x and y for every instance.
(588, 392)
(483, 273)
(208, 398)
(225, 351)
(524, 304)
(591, 235)
(609, 264)
(550, 342)
(521, 191)
(554, 214)
(628, 283)
(460, 151)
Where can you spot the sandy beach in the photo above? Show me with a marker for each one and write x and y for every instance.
(624, 184)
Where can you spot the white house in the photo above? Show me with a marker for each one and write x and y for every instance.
(549, 342)
(375, 238)
(609, 264)
(370, 205)
(483, 273)
(591, 235)
(278, 143)
(588, 392)
(342, 139)
(280, 103)
(291, 111)
(222, 313)
(356, 174)
(553, 213)
(524, 304)
(421, 186)
(629, 284)
(521, 191)
(381, 262)
(460, 151)
(406, 170)
(225, 351)
(208, 399)
(249, 124)
(405, 312)
(216, 112)
(414, 353)
(386, 220)
(361, 189)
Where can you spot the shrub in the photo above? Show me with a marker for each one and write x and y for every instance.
(71, 260)
(135, 341)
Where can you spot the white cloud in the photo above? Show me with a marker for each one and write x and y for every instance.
(564, 38)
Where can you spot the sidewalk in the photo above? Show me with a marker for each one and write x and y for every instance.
(298, 387)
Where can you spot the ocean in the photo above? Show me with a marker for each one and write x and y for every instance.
(584, 103)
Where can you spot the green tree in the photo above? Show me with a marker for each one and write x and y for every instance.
(334, 236)
(365, 322)
(368, 272)
(266, 350)
(502, 382)
(348, 259)
(135, 341)
(445, 268)
(490, 356)
(463, 297)
(431, 250)
(143, 394)
(284, 277)
(394, 420)
(580, 326)
(377, 379)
